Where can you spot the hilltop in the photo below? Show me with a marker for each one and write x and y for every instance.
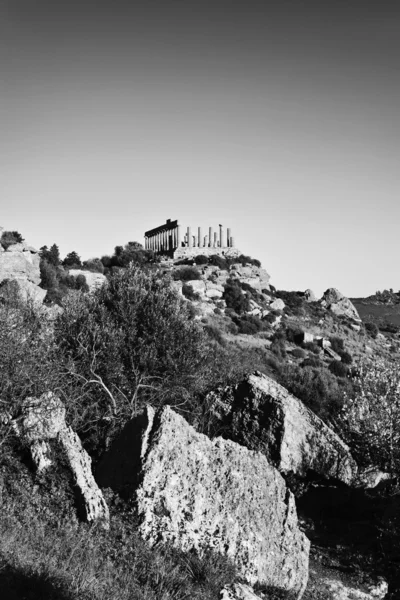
(162, 402)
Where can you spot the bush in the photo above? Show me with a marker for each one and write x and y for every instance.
(372, 329)
(130, 342)
(186, 274)
(201, 260)
(346, 357)
(189, 293)
(234, 297)
(312, 347)
(294, 302)
(337, 344)
(215, 334)
(9, 238)
(218, 261)
(94, 264)
(249, 324)
(298, 353)
(338, 368)
(318, 388)
(294, 335)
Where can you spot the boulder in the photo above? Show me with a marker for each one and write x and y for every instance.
(238, 591)
(196, 493)
(94, 280)
(20, 264)
(265, 417)
(334, 301)
(24, 289)
(43, 420)
(277, 304)
(309, 296)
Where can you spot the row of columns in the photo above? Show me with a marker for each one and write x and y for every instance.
(212, 240)
(165, 240)
(168, 238)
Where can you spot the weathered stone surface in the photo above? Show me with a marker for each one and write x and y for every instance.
(265, 417)
(196, 493)
(334, 301)
(94, 280)
(238, 591)
(20, 265)
(198, 286)
(93, 505)
(309, 296)
(335, 589)
(277, 304)
(24, 289)
(43, 419)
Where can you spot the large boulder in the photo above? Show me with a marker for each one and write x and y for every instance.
(20, 263)
(42, 420)
(195, 493)
(23, 289)
(262, 415)
(93, 279)
(341, 306)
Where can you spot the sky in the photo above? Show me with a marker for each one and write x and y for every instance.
(277, 118)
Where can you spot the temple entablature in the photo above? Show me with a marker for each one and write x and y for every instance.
(171, 239)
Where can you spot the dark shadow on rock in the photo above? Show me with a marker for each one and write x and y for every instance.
(16, 585)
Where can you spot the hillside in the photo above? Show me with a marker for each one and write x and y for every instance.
(165, 424)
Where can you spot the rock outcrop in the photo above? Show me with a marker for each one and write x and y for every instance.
(42, 421)
(238, 591)
(197, 494)
(93, 280)
(20, 273)
(262, 415)
(334, 301)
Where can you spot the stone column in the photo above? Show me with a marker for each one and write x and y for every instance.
(220, 236)
(205, 241)
(215, 239)
(228, 237)
(178, 236)
(210, 236)
(232, 242)
(199, 237)
(189, 235)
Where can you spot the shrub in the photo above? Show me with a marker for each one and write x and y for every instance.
(189, 293)
(218, 261)
(338, 368)
(346, 357)
(294, 302)
(130, 342)
(337, 344)
(249, 324)
(312, 347)
(94, 264)
(372, 329)
(234, 297)
(298, 353)
(9, 238)
(294, 334)
(186, 274)
(215, 334)
(201, 260)
(318, 388)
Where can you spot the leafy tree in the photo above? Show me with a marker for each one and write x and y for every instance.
(9, 238)
(52, 255)
(72, 260)
(372, 414)
(94, 264)
(234, 297)
(130, 342)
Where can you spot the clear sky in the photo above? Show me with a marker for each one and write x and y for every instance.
(277, 118)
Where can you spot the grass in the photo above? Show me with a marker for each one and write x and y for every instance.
(46, 554)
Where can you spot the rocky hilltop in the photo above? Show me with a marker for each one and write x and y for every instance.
(176, 431)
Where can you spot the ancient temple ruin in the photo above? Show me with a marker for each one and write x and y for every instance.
(170, 239)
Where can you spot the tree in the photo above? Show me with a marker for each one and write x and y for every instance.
(9, 238)
(52, 256)
(72, 260)
(130, 342)
(372, 414)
